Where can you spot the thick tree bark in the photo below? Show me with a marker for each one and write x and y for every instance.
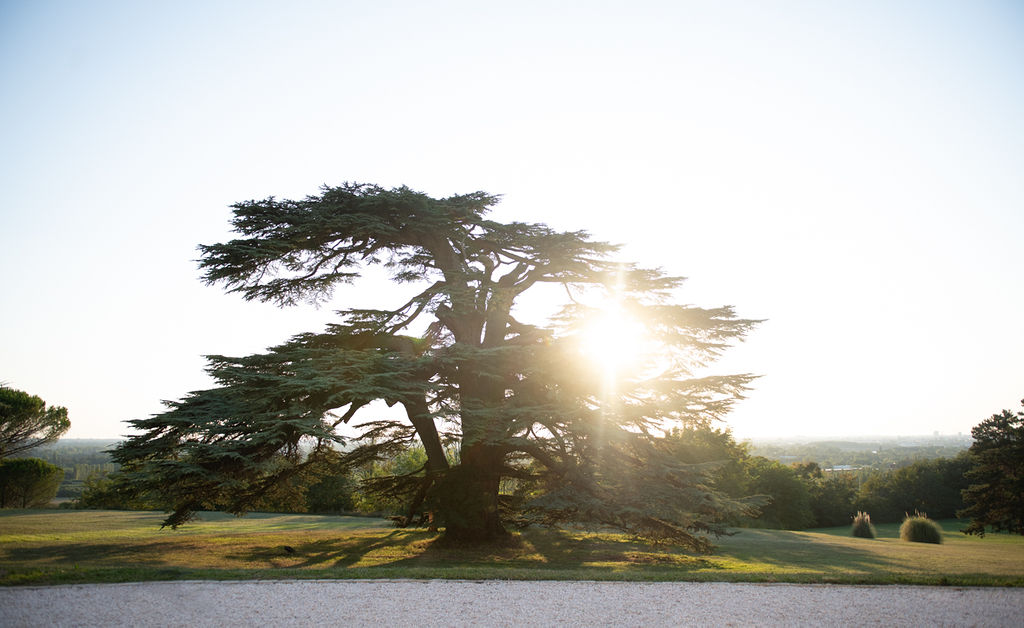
(469, 493)
(468, 497)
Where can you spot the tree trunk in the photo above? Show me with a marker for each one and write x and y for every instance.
(468, 499)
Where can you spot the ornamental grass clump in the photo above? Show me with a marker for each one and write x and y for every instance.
(862, 526)
(920, 529)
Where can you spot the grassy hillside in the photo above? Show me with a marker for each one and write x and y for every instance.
(47, 546)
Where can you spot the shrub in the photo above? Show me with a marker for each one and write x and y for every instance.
(920, 529)
(862, 526)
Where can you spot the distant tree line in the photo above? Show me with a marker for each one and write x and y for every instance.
(793, 496)
(984, 484)
(876, 455)
(808, 495)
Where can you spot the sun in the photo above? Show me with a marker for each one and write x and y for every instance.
(614, 341)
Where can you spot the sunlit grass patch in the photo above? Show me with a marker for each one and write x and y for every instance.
(76, 546)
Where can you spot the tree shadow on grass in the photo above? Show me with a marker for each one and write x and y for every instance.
(267, 550)
(794, 550)
(342, 551)
(578, 549)
(536, 549)
(96, 554)
(555, 549)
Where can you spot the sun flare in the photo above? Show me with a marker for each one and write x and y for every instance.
(614, 340)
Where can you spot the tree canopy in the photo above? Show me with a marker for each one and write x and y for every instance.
(26, 422)
(995, 497)
(28, 482)
(519, 419)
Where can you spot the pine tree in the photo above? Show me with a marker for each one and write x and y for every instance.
(516, 418)
(995, 498)
(28, 482)
(26, 422)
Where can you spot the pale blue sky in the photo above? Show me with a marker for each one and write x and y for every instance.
(849, 171)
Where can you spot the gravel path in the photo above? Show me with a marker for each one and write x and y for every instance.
(502, 603)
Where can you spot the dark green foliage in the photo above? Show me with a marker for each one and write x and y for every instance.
(862, 526)
(797, 497)
(776, 496)
(920, 529)
(885, 478)
(334, 492)
(375, 487)
(790, 506)
(28, 482)
(928, 485)
(696, 445)
(727, 463)
(102, 491)
(831, 494)
(510, 400)
(995, 497)
(718, 451)
(26, 422)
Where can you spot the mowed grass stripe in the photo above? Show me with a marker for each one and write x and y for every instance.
(39, 547)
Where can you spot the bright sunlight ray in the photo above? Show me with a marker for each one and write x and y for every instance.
(614, 341)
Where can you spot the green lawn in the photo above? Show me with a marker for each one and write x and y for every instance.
(56, 546)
